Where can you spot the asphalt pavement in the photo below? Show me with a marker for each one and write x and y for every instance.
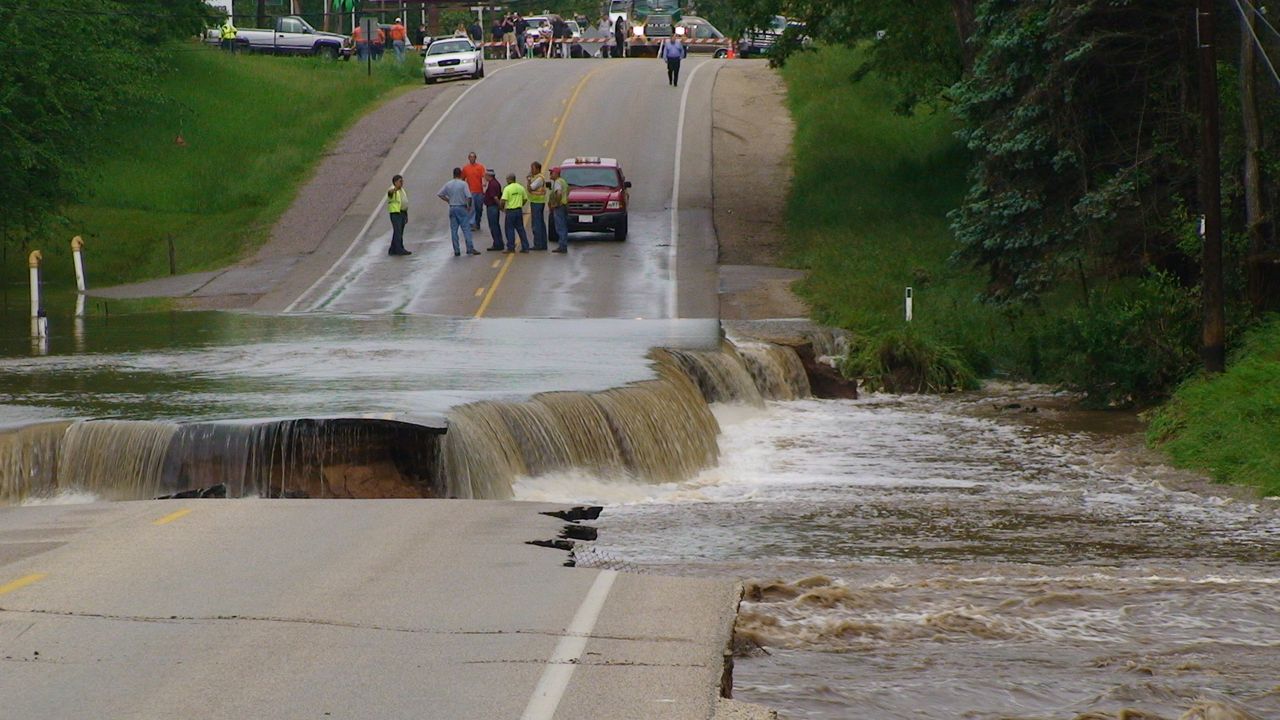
(544, 110)
(339, 609)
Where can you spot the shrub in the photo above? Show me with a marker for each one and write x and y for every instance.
(907, 361)
(1127, 348)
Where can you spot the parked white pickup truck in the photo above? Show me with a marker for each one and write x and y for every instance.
(292, 36)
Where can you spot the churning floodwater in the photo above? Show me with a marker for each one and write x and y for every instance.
(923, 557)
(903, 557)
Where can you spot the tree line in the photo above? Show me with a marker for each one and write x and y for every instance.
(1084, 123)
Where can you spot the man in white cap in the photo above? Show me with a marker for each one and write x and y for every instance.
(399, 36)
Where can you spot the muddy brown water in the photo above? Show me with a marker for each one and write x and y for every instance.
(903, 557)
(915, 557)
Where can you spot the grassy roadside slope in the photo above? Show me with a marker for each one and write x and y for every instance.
(1229, 425)
(867, 211)
(253, 127)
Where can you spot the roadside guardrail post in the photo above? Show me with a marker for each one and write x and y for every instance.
(909, 303)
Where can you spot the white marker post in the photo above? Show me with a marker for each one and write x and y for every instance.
(77, 323)
(33, 262)
(908, 300)
(39, 323)
(77, 252)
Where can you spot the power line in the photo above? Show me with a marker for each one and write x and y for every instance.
(1262, 15)
(1256, 40)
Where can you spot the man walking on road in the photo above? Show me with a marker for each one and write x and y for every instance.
(473, 174)
(493, 208)
(458, 196)
(514, 198)
(398, 206)
(537, 184)
(673, 50)
(558, 204)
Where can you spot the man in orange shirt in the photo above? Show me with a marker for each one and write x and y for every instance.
(399, 35)
(473, 174)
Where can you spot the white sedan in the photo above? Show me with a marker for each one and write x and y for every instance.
(452, 57)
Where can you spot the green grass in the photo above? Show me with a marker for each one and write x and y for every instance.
(1229, 425)
(868, 205)
(254, 127)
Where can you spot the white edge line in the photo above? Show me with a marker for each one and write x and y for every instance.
(674, 287)
(373, 215)
(551, 686)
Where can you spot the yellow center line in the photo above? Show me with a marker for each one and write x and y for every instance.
(551, 151)
(21, 582)
(172, 516)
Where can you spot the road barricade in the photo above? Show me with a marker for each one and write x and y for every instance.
(557, 48)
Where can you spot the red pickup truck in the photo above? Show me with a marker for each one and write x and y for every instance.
(598, 195)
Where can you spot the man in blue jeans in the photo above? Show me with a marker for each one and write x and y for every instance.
(558, 204)
(458, 196)
(492, 199)
(514, 198)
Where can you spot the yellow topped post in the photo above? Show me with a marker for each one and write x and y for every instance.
(33, 262)
(77, 244)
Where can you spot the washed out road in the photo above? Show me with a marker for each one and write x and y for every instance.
(404, 608)
(545, 111)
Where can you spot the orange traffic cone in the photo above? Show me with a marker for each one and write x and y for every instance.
(733, 53)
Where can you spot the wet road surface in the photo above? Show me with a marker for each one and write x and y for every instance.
(544, 111)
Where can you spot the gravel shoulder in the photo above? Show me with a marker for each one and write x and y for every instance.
(751, 165)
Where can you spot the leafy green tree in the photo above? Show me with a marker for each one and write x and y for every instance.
(63, 68)
(921, 46)
(1076, 113)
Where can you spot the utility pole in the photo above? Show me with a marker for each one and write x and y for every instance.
(1212, 349)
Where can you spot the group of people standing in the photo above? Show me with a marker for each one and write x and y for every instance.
(510, 30)
(372, 47)
(474, 194)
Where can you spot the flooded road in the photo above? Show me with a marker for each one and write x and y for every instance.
(212, 365)
(917, 558)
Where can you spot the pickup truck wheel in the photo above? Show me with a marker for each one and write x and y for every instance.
(620, 232)
(721, 54)
(329, 51)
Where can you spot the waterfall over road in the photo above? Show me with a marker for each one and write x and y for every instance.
(654, 431)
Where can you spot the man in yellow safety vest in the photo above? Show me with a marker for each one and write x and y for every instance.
(228, 34)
